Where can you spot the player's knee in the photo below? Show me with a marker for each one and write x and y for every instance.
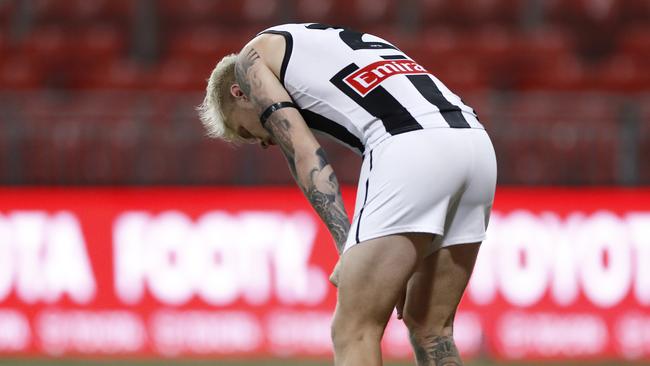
(345, 333)
(421, 336)
(421, 332)
(438, 321)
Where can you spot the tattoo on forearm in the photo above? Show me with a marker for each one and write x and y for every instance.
(321, 190)
(318, 182)
(327, 200)
(436, 351)
(279, 128)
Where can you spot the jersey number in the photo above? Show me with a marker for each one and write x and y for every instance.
(379, 102)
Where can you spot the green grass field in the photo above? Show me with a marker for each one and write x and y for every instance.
(43, 362)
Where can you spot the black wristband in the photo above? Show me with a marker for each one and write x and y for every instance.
(274, 107)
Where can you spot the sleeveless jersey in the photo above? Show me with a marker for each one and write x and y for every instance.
(360, 89)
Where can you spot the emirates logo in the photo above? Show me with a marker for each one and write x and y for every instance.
(364, 80)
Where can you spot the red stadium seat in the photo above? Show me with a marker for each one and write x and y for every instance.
(320, 11)
(544, 128)
(20, 73)
(563, 73)
(48, 43)
(216, 162)
(4, 43)
(595, 25)
(274, 170)
(189, 12)
(360, 15)
(570, 12)
(643, 141)
(99, 42)
(635, 42)
(225, 14)
(122, 74)
(260, 13)
(623, 73)
(7, 9)
(80, 11)
(205, 44)
(634, 13)
(547, 42)
(181, 75)
(471, 14)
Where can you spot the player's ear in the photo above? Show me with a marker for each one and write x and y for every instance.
(236, 92)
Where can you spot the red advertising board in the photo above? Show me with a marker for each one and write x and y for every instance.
(235, 272)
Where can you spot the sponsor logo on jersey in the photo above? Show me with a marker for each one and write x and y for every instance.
(364, 80)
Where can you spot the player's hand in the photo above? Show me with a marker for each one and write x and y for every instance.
(334, 277)
(400, 304)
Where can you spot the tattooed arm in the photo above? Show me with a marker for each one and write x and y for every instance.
(306, 159)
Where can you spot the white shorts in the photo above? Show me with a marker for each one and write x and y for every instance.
(438, 181)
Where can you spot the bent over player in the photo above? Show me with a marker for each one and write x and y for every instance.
(426, 184)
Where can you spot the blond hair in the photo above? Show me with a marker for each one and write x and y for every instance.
(218, 101)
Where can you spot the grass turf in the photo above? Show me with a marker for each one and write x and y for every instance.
(69, 362)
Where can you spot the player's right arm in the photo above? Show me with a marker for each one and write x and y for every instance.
(306, 158)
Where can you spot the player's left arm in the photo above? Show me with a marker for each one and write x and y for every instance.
(305, 157)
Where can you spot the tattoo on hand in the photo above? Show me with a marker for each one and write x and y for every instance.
(436, 351)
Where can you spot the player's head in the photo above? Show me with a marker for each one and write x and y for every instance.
(226, 112)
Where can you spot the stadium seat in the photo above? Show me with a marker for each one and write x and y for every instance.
(204, 44)
(471, 14)
(7, 9)
(20, 73)
(635, 42)
(49, 43)
(181, 75)
(595, 25)
(122, 74)
(4, 43)
(643, 142)
(74, 12)
(320, 11)
(215, 162)
(561, 73)
(544, 128)
(634, 13)
(99, 42)
(174, 13)
(356, 14)
(225, 14)
(623, 73)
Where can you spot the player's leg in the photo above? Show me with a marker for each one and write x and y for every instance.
(435, 289)
(433, 294)
(371, 277)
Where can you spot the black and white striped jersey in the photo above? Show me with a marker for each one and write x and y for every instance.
(360, 89)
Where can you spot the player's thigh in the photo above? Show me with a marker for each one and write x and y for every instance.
(436, 287)
(373, 274)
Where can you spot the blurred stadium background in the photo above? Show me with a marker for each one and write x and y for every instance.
(98, 96)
